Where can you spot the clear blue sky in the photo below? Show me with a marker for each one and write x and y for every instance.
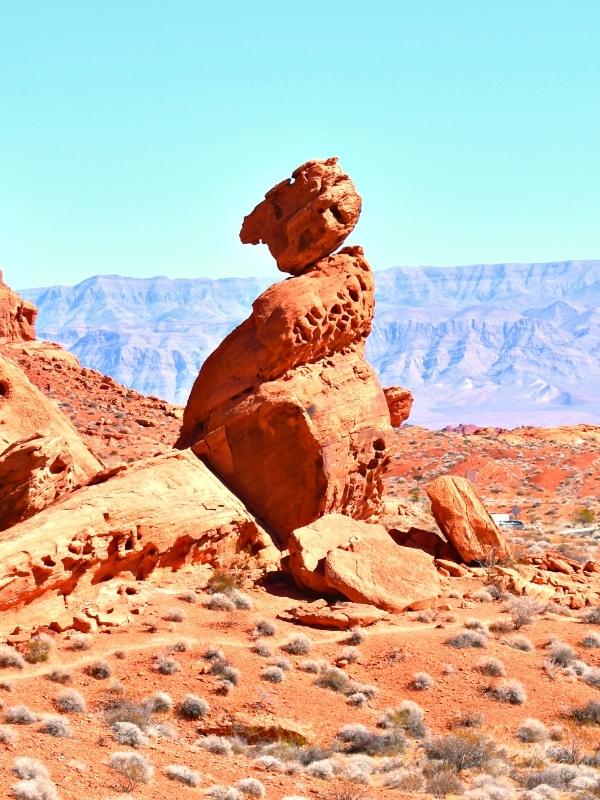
(134, 136)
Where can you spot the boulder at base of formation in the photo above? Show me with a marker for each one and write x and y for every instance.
(360, 561)
(464, 520)
(154, 515)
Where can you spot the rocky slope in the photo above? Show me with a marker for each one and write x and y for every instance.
(503, 344)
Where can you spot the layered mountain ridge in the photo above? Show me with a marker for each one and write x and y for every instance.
(502, 344)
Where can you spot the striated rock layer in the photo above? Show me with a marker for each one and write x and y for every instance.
(463, 518)
(305, 218)
(17, 316)
(157, 514)
(287, 411)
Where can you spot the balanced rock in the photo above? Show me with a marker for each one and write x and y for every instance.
(399, 402)
(34, 473)
(361, 562)
(465, 521)
(155, 515)
(287, 411)
(17, 316)
(305, 218)
(25, 412)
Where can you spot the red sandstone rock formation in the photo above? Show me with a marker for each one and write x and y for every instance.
(360, 561)
(305, 218)
(34, 473)
(286, 410)
(399, 402)
(464, 519)
(25, 412)
(157, 514)
(17, 316)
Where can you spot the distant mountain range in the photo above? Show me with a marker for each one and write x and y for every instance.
(498, 344)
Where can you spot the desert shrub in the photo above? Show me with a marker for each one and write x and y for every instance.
(19, 715)
(591, 676)
(128, 733)
(9, 658)
(226, 672)
(192, 707)
(219, 745)
(474, 624)
(59, 675)
(357, 699)
(251, 787)
(564, 754)
(240, 600)
(509, 691)
(561, 653)
(443, 782)
(467, 638)
(185, 775)
(523, 610)
(35, 789)
(269, 763)
(298, 646)
(541, 792)
(8, 736)
(425, 616)
(591, 639)
(358, 769)
(422, 681)
(187, 596)
(128, 711)
(166, 665)
(491, 666)
(283, 663)
(357, 738)
(518, 643)
(350, 654)
(223, 793)
(29, 768)
(272, 674)
(182, 646)
(160, 702)
(532, 730)
(262, 650)
(134, 768)
(100, 670)
(309, 665)
(264, 627)
(461, 750)
(334, 679)
(70, 702)
(81, 641)
(38, 648)
(483, 596)
(558, 776)
(591, 616)
(408, 716)
(501, 625)
(56, 726)
(587, 714)
(321, 769)
(355, 636)
(219, 602)
(410, 781)
(466, 720)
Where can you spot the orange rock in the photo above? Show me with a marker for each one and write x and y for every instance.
(156, 514)
(462, 517)
(287, 411)
(361, 562)
(25, 413)
(33, 474)
(399, 402)
(17, 316)
(341, 616)
(305, 218)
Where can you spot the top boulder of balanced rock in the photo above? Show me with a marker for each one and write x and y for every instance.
(17, 316)
(306, 217)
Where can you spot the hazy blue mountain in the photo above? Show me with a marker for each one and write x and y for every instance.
(502, 344)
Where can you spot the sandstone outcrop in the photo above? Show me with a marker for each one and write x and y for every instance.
(17, 316)
(305, 218)
(464, 520)
(341, 616)
(286, 410)
(360, 561)
(25, 412)
(159, 514)
(34, 473)
(399, 402)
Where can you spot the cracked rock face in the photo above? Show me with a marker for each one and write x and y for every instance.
(306, 217)
(287, 411)
(17, 316)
